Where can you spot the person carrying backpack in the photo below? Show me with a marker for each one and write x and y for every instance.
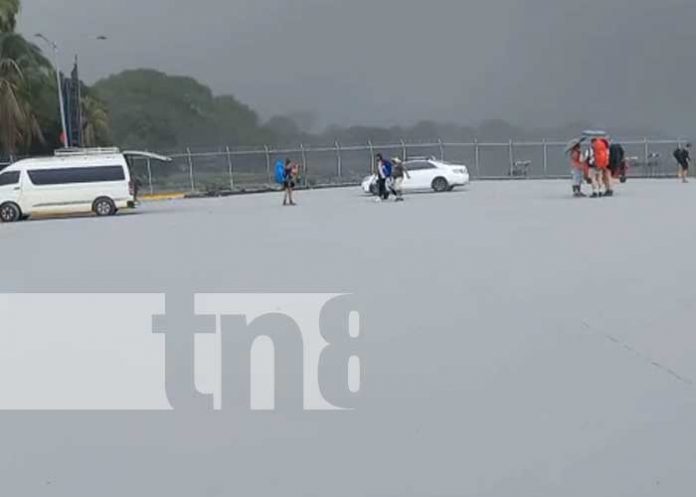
(286, 174)
(600, 165)
(398, 174)
(683, 158)
(384, 173)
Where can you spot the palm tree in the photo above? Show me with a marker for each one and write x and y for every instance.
(8, 15)
(22, 69)
(95, 125)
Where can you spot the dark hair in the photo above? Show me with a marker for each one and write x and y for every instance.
(379, 157)
(288, 162)
(688, 145)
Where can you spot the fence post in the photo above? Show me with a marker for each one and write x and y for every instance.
(546, 159)
(268, 163)
(149, 176)
(304, 163)
(404, 151)
(339, 164)
(229, 167)
(190, 161)
(646, 151)
(442, 149)
(512, 159)
(372, 156)
(477, 154)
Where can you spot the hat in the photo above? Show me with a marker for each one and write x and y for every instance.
(396, 160)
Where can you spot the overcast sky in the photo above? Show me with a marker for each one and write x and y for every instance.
(532, 62)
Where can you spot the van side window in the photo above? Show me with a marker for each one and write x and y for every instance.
(72, 175)
(9, 178)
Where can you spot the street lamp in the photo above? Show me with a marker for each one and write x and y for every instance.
(60, 87)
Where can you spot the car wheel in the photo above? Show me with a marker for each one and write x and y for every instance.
(104, 206)
(10, 213)
(440, 185)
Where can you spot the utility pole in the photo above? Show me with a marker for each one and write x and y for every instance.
(60, 88)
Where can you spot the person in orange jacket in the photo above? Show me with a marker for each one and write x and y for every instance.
(600, 158)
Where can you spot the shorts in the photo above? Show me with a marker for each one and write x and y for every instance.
(685, 167)
(288, 184)
(578, 176)
(398, 183)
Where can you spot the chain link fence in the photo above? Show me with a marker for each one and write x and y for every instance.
(248, 169)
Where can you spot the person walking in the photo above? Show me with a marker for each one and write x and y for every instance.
(384, 172)
(578, 169)
(600, 157)
(399, 173)
(290, 176)
(617, 161)
(683, 157)
(589, 158)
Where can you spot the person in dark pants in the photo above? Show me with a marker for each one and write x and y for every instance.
(291, 170)
(384, 172)
(398, 174)
(683, 158)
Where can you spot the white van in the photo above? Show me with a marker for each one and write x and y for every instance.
(72, 181)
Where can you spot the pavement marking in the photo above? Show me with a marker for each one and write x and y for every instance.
(629, 348)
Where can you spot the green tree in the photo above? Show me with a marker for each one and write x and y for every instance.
(95, 122)
(23, 73)
(8, 15)
(150, 109)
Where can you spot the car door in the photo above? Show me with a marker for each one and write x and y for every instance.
(416, 171)
(421, 175)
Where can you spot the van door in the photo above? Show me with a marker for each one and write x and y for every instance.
(146, 155)
(47, 191)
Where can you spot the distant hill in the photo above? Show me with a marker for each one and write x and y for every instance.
(150, 109)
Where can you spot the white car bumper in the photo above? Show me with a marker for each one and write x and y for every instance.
(459, 179)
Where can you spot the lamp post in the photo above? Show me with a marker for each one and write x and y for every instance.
(60, 87)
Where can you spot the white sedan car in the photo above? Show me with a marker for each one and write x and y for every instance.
(426, 174)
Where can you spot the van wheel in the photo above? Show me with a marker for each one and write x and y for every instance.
(104, 206)
(10, 213)
(440, 185)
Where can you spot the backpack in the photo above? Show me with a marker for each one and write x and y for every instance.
(616, 155)
(388, 169)
(280, 172)
(679, 155)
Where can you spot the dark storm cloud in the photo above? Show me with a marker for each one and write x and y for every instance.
(534, 62)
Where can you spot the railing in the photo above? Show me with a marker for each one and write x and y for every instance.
(225, 169)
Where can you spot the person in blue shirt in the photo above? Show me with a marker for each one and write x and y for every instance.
(384, 173)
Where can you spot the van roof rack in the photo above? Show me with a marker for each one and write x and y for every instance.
(86, 151)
